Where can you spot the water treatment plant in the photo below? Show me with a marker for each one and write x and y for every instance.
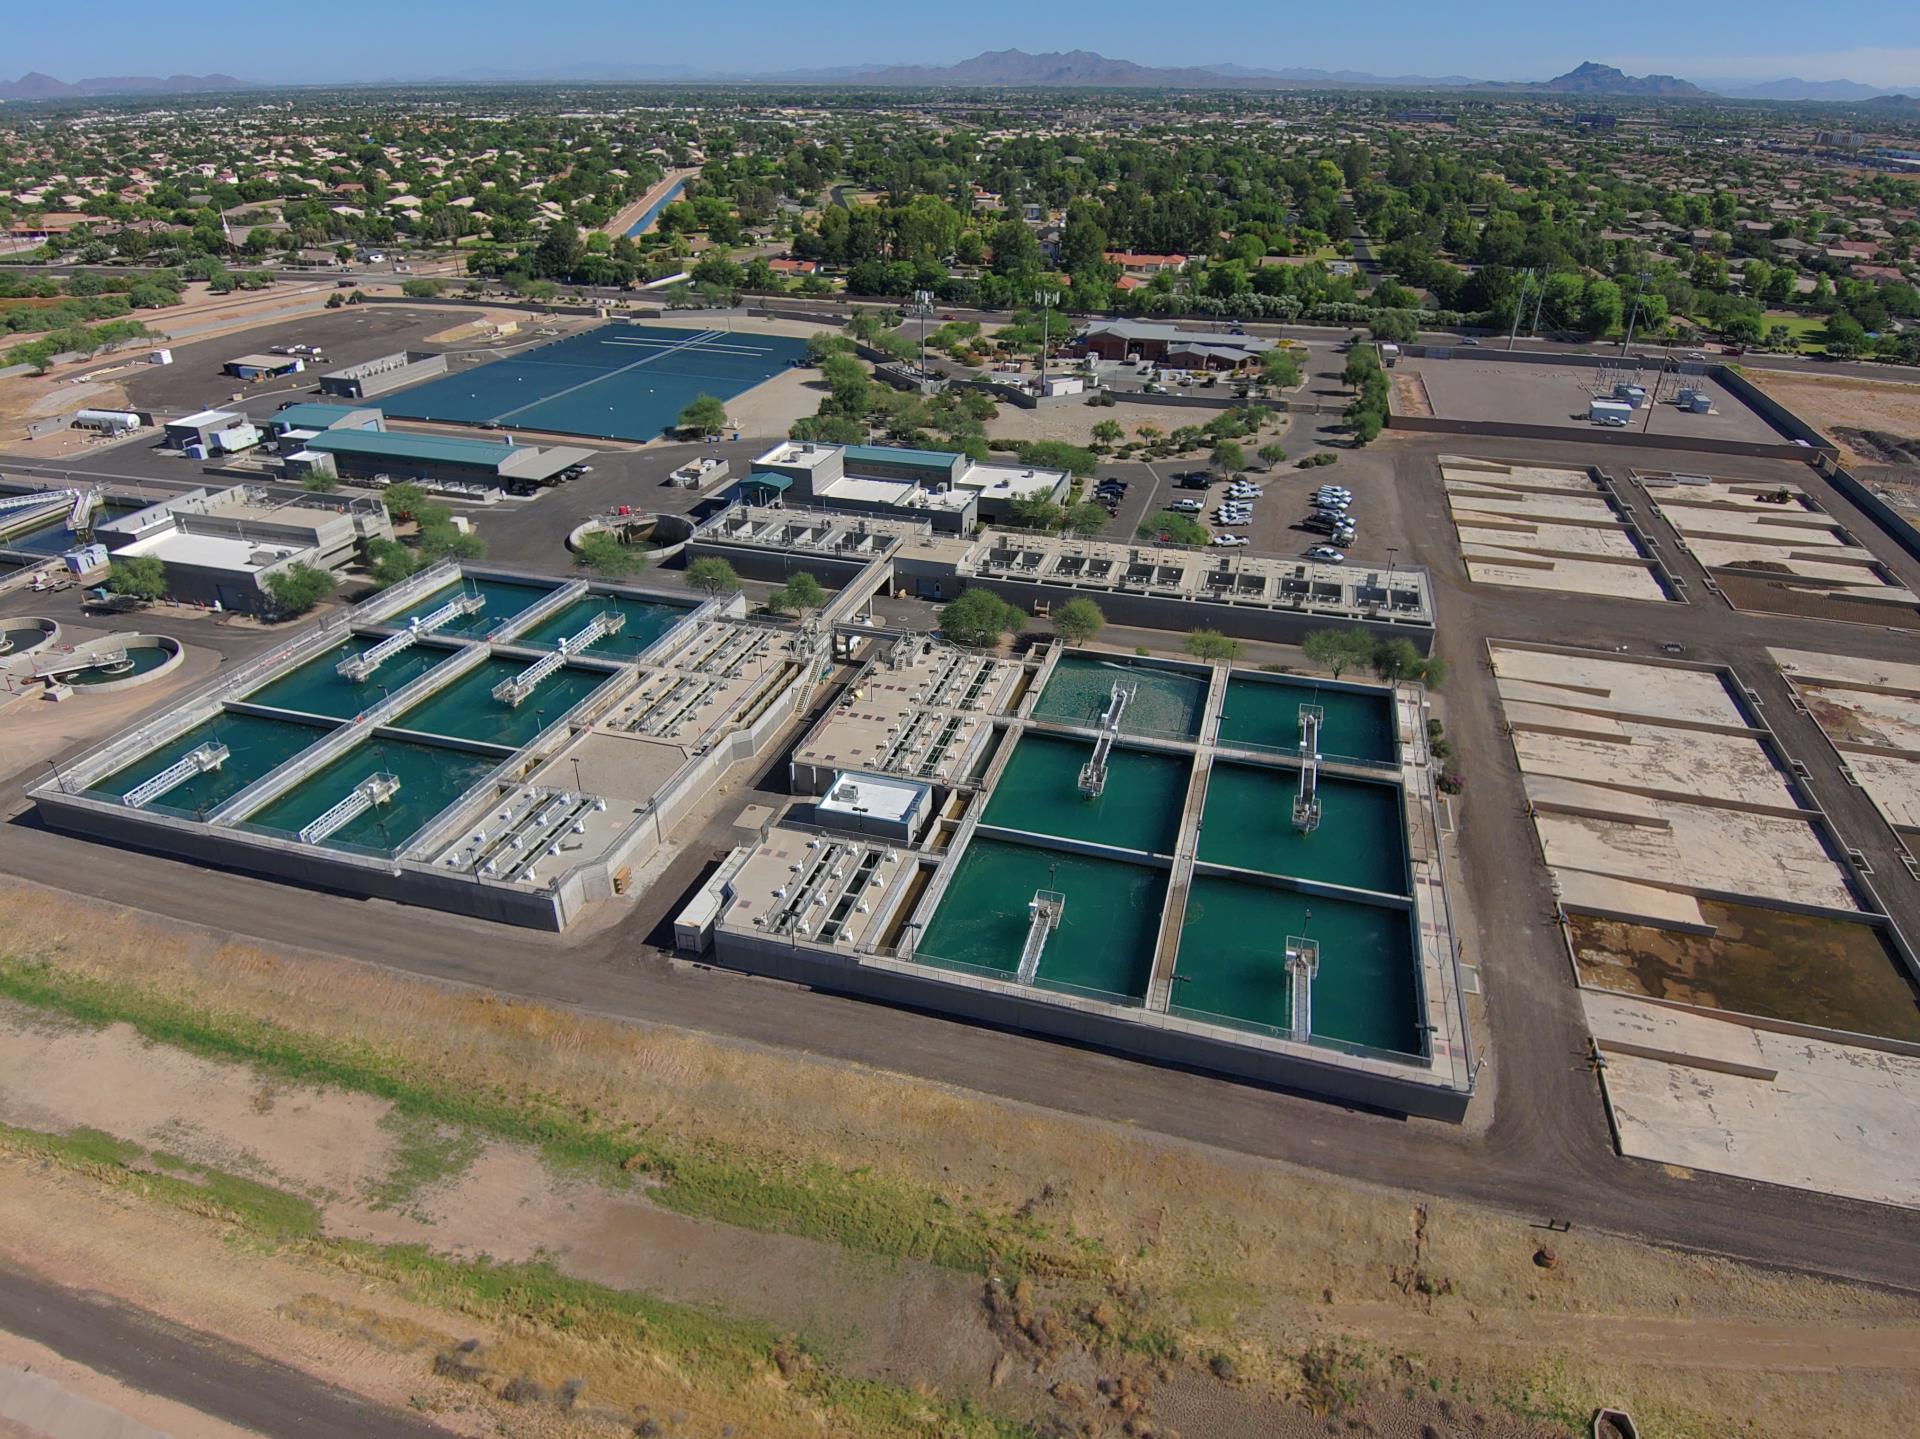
(1250, 865)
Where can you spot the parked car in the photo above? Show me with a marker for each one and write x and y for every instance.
(1327, 553)
(1230, 541)
(1470, 342)
(1187, 507)
(1193, 480)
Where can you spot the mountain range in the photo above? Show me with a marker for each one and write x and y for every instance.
(1072, 69)
(35, 86)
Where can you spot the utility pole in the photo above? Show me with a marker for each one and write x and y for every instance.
(922, 306)
(1638, 291)
(1046, 299)
(1519, 303)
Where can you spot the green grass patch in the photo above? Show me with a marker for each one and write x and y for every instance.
(858, 1211)
(425, 1153)
(699, 1342)
(260, 1208)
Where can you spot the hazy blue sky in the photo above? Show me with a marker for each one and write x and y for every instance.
(1877, 41)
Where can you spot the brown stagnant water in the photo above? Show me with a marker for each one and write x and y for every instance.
(1806, 969)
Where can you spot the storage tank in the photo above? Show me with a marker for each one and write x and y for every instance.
(112, 421)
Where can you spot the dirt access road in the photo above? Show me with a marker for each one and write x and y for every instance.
(195, 1369)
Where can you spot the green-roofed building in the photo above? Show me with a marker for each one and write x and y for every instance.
(392, 455)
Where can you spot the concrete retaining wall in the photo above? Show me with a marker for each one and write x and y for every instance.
(307, 867)
(1247, 622)
(1160, 1039)
(1897, 526)
(1565, 434)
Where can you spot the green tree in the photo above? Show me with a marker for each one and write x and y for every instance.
(1338, 650)
(298, 588)
(799, 594)
(404, 500)
(422, 289)
(389, 561)
(980, 617)
(712, 575)
(1035, 512)
(1396, 659)
(1271, 455)
(1085, 519)
(138, 577)
(1078, 620)
(704, 415)
(1600, 308)
(602, 552)
(1174, 528)
(1229, 455)
(1844, 335)
(1279, 369)
(1109, 432)
(1212, 645)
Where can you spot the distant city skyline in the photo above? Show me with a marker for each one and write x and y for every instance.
(1497, 40)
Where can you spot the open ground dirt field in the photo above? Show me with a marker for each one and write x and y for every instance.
(1832, 404)
(374, 1153)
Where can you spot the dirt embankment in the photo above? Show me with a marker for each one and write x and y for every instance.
(1160, 1284)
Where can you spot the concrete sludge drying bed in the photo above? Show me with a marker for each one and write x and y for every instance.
(1708, 911)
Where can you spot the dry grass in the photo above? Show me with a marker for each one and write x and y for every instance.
(1204, 1252)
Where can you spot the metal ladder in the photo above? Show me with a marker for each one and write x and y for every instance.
(1093, 774)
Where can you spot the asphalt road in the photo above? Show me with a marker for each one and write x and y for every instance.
(206, 1373)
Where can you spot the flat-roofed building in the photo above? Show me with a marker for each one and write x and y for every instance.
(219, 546)
(952, 490)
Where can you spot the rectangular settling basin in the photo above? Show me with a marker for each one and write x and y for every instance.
(1263, 712)
(1039, 791)
(255, 746)
(1167, 702)
(466, 708)
(1105, 939)
(1232, 963)
(1248, 823)
(647, 620)
(317, 688)
(431, 778)
(504, 599)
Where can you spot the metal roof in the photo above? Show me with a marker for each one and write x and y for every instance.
(392, 444)
(766, 480)
(892, 455)
(316, 416)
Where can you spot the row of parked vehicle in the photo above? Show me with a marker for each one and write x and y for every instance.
(1333, 517)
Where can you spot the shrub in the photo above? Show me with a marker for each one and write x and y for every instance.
(1078, 620)
(298, 588)
(1212, 645)
(712, 575)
